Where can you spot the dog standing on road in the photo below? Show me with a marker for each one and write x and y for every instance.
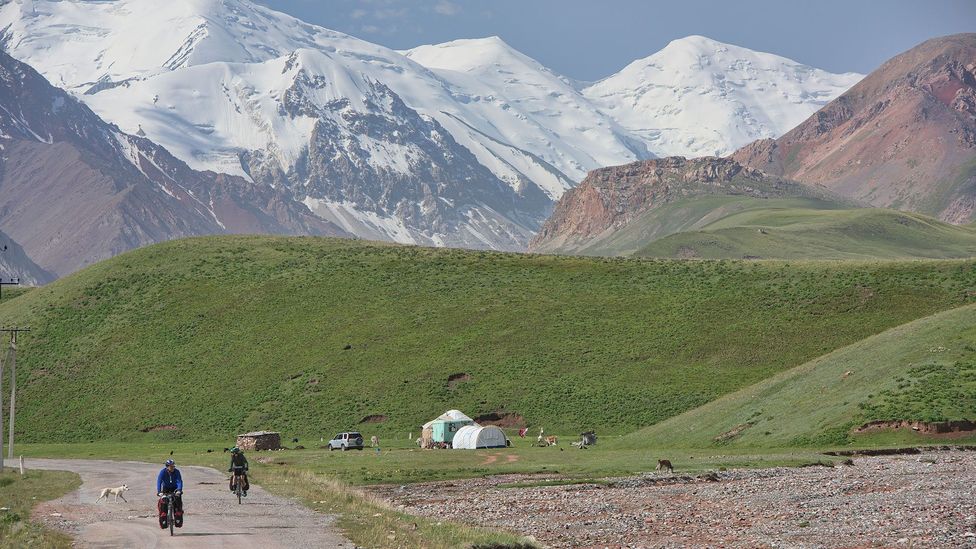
(117, 492)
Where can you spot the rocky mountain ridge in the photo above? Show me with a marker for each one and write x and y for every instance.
(904, 137)
(610, 198)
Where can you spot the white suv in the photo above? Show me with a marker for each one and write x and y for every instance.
(346, 441)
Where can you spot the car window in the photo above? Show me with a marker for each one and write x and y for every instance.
(355, 435)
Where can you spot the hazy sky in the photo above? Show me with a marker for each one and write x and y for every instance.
(591, 39)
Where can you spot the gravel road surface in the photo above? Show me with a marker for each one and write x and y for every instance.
(212, 518)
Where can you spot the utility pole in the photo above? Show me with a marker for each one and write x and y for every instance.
(12, 359)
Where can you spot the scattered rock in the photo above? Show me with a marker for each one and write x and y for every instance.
(885, 498)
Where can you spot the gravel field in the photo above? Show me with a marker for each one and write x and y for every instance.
(923, 500)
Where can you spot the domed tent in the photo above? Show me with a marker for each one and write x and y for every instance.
(472, 437)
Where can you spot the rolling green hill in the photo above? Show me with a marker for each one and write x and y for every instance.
(921, 371)
(802, 233)
(210, 336)
(690, 214)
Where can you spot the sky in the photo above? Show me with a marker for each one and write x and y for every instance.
(591, 39)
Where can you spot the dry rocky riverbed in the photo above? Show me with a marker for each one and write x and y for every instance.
(925, 500)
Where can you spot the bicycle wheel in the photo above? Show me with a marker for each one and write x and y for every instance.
(170, 516)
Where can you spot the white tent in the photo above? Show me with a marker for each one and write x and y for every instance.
(450, 415)
(472, 437)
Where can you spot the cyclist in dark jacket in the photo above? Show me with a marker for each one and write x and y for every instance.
(170, 481)
(238, 466)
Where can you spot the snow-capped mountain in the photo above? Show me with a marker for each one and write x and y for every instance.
(466, 143)
(76, 190)
(699, 97)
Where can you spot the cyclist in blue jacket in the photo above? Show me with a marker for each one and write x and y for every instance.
(170, 481)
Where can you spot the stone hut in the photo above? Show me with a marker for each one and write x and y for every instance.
(259, 440)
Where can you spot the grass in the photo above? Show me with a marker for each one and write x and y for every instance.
(19, 494)
(405, 465)
(371, 522)
(690, 214)
(923, 371)
(252, 333)
(791, 233)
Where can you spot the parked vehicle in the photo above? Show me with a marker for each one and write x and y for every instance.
(347, 441)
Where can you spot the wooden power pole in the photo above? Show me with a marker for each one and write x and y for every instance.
(12, 360)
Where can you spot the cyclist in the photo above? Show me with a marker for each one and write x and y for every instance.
(170, 481)
(238, 466)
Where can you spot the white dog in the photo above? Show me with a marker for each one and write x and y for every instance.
(117, 492)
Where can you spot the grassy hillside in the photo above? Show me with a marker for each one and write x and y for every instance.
(924, 370)
(690, 214)
(777, 233)
(218, 335)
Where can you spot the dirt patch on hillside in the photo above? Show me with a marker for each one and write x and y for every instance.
(732, 433)
(454, 380)
(157, 428)
(687, 252)
(375, 418)
(946, 429)
(501, 419)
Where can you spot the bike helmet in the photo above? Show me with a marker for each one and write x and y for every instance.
(169, 462)
(235, 450)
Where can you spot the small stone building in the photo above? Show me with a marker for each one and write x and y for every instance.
(259, 440)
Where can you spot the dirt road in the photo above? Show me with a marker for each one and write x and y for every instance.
(213, 517)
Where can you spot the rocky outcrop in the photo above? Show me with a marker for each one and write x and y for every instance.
(75, 190)
(610, 198)
(904, 137)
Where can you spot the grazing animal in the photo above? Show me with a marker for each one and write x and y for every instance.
(663, 464)
(117, 492)
(374, 441)
(552, 440)
(294, 440)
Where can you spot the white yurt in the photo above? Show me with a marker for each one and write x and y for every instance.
(472, 437)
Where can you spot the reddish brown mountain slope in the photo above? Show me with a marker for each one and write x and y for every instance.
(75, 190)
(610, 198)
(904, 137)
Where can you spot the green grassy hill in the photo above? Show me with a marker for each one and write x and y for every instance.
(921, 371)
(798, 233)
(690, 214)
(218, 335)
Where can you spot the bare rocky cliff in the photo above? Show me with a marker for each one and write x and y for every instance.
(904, 137)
